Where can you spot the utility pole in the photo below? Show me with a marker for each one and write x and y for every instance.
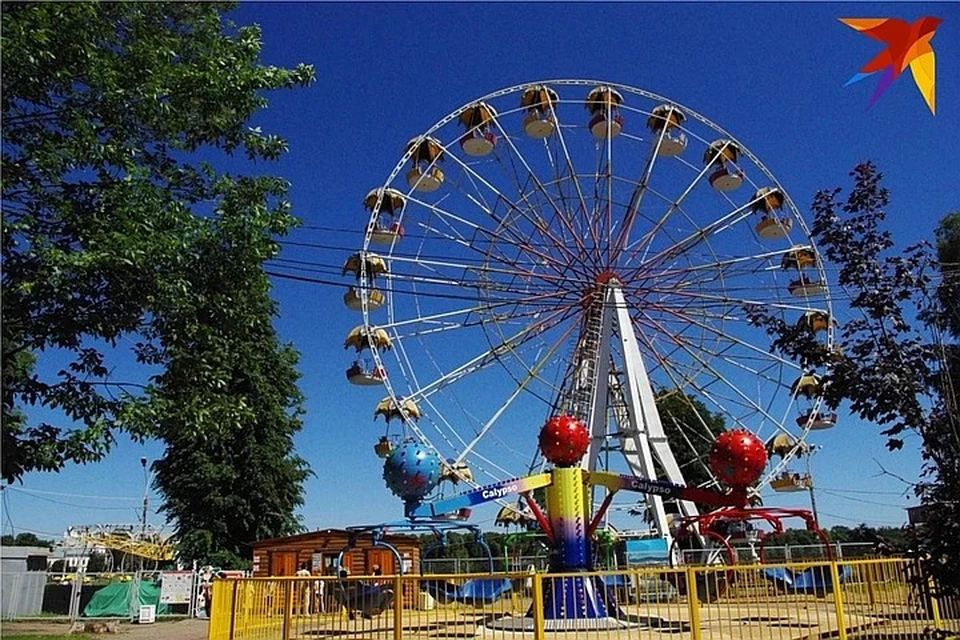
(146, 498)
(146, 502)
(813, 495)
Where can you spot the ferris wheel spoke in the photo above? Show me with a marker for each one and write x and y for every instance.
(514, 208)
(541, 188)
(719, 377)
(693, 239)
(493, 237)
(532, 374)
(636, 199)
(490, 356)
(571, 170)
(646, 240)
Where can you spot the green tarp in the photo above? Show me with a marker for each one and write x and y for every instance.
(113, 600)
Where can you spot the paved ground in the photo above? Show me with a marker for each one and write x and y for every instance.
(179, 630)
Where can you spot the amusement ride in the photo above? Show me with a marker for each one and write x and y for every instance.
(568, 254)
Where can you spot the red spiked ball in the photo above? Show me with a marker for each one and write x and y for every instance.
(738, 458)
(564, 440)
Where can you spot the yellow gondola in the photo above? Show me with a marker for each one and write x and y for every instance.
(391, 203)
(784, 444)
(407, 409)
(392, 200)
(807, 385)
(353, 299)
(767, 201)
(539, 102)
(799, 257)
(370, 263)
(425, 176)
(662, 122)
(723, 155)
(788, 482)
(816, 321)
(361, 337)
(603, 103)
(455, 472)
(512, 515)
(479, 140)
(383, 447)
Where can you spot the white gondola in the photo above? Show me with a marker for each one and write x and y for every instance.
(818, 420)
(662, 122)
(767, 201)
(480, 139)
(392, 202)
(386, 235)
(603, 103)
(424, 176)
(722, 156)
(539, 101)
(364, 376)
(804, 287)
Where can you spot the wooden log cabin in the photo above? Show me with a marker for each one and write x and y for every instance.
(320, 549)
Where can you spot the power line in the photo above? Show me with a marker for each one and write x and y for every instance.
(72, 495)
(864, 501)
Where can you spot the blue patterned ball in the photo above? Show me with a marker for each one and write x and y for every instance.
(411, 471)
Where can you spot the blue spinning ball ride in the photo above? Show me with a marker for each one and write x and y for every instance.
(411, 471)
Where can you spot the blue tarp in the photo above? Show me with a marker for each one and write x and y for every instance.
(811, 580)
(476, 590)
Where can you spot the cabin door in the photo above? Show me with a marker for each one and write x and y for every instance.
(283, 563)
(382, 557)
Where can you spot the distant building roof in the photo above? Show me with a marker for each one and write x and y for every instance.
(23, 552)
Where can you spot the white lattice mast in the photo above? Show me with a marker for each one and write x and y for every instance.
(617, 402)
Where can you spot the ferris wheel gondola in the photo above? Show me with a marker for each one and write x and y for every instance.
(567, 265)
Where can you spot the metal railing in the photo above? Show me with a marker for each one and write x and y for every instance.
(856, 599)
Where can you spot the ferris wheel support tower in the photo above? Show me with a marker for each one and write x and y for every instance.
(637, 430)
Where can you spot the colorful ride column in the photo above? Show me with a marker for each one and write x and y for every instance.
(571, 601)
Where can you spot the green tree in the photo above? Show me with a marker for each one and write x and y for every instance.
(102, 103)
(25, 539)
(690, 428)
(890, 367)
(115, 233)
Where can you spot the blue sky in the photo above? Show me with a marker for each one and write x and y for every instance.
(770, 74)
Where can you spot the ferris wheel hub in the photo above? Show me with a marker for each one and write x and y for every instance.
(608, 276)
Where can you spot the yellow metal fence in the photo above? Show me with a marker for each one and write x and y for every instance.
(881, 599)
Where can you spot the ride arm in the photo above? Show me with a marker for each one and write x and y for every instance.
(489, 493)
(614, 482)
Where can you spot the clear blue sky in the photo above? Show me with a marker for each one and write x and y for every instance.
(772, 75)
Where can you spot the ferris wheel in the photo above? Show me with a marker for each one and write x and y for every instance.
(586, 248)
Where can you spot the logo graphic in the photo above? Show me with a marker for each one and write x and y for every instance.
(907, 45)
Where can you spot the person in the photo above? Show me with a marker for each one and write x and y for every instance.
(376, 571)
(206, 578)
(304, 587)
(319, 586)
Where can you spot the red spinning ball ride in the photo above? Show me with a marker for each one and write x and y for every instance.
(564, 441)
(738, 458)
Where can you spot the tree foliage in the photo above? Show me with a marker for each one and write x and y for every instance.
(25, 539)
(690, 428)
(890, 364)
(121, 246)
